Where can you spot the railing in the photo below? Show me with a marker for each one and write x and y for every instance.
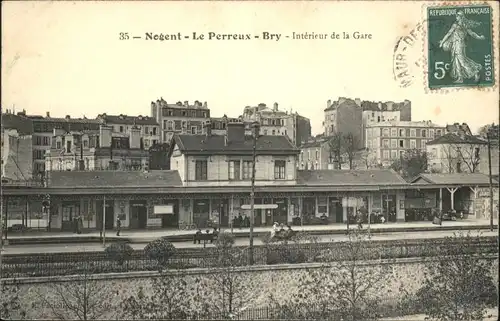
(52, 264)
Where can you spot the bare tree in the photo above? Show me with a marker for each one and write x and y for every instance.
(461, 158)
(228, 286)
(349, 290)
(82, 299)
(335, 145)
(368, 158)
(350, 148)
(10, 305)
(412, 163)
(459, 285)
(169, 300)
(343, 146)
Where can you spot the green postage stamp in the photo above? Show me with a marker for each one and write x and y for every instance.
(460, 46)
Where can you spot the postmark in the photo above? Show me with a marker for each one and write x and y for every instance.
(460, 46)
(407, 57)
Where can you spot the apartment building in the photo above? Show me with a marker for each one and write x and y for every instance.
(387, 141)
(123, 124)
(277, 122)
(353, 115)
(103, 149)
(43, 131)
(344, 116)
(17, 149)
(179, 118)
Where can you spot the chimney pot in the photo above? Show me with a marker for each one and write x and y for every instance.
(275, 107)
(68, 117)
(205, 104)
(186, 103)
(328, 103)
(47, 114)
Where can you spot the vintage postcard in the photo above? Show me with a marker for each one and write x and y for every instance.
(249, 160)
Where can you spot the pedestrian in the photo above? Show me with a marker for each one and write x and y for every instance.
(359, 219)
(79, 225)
(196, 238)
(118, 226)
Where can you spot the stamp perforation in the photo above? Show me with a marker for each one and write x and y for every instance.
(494, 40)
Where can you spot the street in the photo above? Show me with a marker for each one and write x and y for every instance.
(241, 241)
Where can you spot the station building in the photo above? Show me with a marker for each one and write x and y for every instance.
(210, 180)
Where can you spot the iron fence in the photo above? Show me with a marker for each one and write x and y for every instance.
(53, 264)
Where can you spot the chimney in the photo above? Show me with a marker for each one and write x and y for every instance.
(47, 114)
(389, 105)
(328, 103)
(186, 103)
(205, 105)
(68, 117)
(235, 132)
(357, 101)
(275, 107)
(380, 105)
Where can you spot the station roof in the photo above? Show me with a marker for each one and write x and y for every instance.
(117, 179)
(374, 177)
(453, 179)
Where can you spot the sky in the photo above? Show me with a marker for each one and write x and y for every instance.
(67, 58)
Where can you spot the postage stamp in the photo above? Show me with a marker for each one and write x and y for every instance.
(460, 46)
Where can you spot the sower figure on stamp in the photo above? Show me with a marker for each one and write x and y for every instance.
(462, 67)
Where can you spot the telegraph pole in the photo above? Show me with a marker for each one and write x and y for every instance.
(490, 179)
(103, 221)
(252, 192)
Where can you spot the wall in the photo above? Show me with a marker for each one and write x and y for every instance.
(482, 203)
(178, 163)
(17, 155)
(218, 171)
(258, 283)
(495, 160)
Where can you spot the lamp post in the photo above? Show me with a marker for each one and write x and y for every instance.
(488, 136)
(255, 127)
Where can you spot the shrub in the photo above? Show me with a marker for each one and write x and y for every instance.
(119, 252)
(225, 240)
(160, 250)
(273, 257)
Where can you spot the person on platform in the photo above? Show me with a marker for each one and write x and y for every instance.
(118, 226)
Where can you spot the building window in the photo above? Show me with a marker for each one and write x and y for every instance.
(154, 130)
(46, 141)
(68, 146)
(385, 132)
(413, 143)
(402, 132)
(424, 133)
(274, 132)
(234, 170)
(431, 133)
(401, 153)
(247, 169)
(394, 154)
(279, 169)
(423, 142)
(413, 133)
(394, 132)
(121, 129)
(146, 130)
(369, 144)
(85, 144)
(438, 132)
(386, 143)
(58, 145)
(317, 154)
(401, 143)
(385, 154)
(170, 125)
(193, 130)
(394, 143)
(201, 170)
